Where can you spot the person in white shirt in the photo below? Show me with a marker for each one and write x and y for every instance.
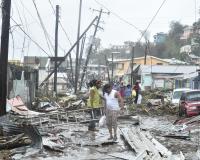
(113, 104)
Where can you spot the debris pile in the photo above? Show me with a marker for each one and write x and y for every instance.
(63, 128)
(154, 102)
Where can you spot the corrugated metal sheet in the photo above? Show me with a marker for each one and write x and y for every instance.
(164, 69)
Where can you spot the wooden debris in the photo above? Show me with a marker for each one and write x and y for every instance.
(121, 156)
(186, 137)
(12, 142)
(49, 143)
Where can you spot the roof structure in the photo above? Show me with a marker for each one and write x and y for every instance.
(165, 69)
(122, 60)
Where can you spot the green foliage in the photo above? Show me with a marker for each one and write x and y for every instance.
(171, 47)
(195, 39)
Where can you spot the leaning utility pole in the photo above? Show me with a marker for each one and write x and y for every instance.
(77, 50)
(6, 5)
(132, 60)
(56, 50)
(90, 49)
(69, 52)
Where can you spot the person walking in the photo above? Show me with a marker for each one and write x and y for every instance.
(128, 91)
(122, 90)
(94, 101)
(137, 90)
(113, 103)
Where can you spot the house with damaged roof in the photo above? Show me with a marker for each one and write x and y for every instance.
(167, 76)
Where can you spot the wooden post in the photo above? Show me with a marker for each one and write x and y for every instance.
(6, 5)
(56, 50)
(77, 51)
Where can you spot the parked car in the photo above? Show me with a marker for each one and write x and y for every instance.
(189, 104)
(176, 95)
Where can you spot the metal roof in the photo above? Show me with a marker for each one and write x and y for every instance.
(164, 69)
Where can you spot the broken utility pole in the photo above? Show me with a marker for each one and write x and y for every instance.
(90, 48)
(69, 52)
(81, 56)
(6, 5)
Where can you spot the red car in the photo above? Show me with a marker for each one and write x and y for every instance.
(189, 104)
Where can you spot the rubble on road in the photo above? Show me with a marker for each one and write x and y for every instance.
(154, 102)
(63, 129)
(145, 146)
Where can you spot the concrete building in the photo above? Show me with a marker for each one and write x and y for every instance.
(160, 38)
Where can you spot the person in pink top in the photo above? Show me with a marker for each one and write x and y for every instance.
(122, 90)
(113, 104)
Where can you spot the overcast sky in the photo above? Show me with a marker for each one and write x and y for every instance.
(123, 24)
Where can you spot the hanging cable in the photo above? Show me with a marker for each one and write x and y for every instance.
(39, 24)
(119, 17)
(22, 25)
(26, 34)
(30, 37)
(43, 27)
(61, 24)
(26, 25)
(143, 33)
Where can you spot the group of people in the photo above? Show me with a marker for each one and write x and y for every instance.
(112, 100)
(128, 92)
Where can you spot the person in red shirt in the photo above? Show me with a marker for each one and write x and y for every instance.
(137, 90)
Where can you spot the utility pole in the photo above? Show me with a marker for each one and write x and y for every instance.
(146, 52)
(132, 60)
(112, 68)
(56, 50)
(107, 68)
(6, 5)
(81, 51)
(77, 50)
(69, 52)
(145, 55)
(90, 48)
(81, 57)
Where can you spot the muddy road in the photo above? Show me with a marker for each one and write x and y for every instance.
(81, 144)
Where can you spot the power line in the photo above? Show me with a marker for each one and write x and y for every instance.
(43, 27)
(61, 28)
(27, 33)
(39, 23)
(61, 24)
(143, 33)
(26, 26)
(119, 17)
(29, 37)
(24, 39)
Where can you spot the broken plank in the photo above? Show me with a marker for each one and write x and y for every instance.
(121, 156)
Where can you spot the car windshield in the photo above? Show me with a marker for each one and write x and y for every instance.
(177, 94)
(193, 96)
